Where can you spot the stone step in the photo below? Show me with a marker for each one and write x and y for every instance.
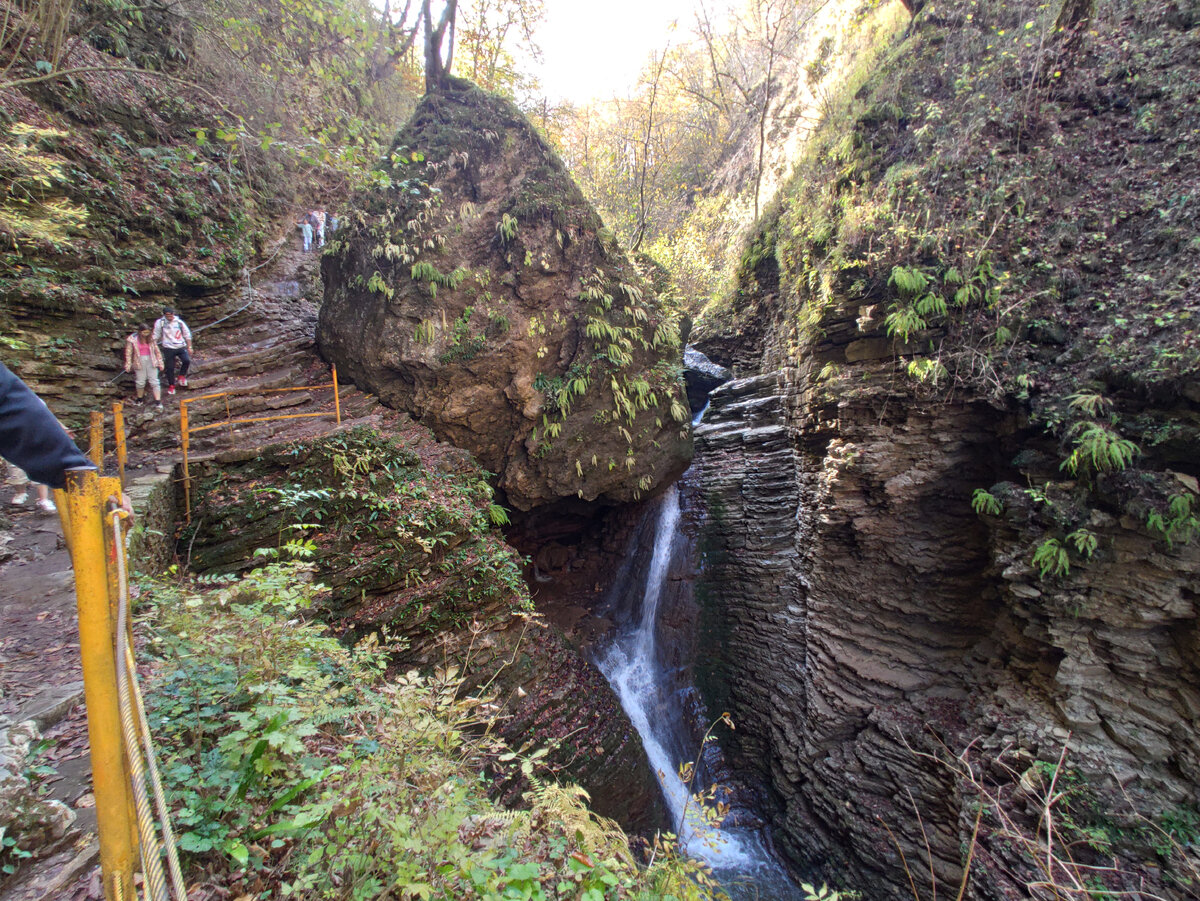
(214, 375)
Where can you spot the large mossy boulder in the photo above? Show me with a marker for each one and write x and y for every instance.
(476, 288)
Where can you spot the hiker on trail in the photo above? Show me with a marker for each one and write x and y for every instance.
(333, 224)
(31, 438)
(318, 217)
(145, 360)
(306, 231)
(175, 338)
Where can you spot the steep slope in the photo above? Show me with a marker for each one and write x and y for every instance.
(408, 546)
(111, 212)
(980, 289)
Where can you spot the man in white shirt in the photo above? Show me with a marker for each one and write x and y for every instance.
(175, 338)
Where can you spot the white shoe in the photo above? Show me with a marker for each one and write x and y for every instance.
(46, 505)
(20, 499)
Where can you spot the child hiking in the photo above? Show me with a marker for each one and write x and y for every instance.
(143, 358)
(306, 232)
(318, 218)
(20, 480)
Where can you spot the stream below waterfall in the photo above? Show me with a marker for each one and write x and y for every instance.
(738, 855)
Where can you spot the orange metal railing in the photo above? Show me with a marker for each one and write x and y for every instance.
(186, 429)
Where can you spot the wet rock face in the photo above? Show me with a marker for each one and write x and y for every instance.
(701, 375)
(479, 292)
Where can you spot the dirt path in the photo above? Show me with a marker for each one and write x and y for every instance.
(267, 345)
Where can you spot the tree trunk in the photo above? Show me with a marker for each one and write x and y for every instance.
(913, 6)
(1074, 14)
(643, 212)
(437, 73)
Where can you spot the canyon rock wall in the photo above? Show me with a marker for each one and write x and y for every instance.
(952, 494)
(477, 289)
(110, 212)
(866, 628)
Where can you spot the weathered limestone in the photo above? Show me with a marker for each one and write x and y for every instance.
(36, 821)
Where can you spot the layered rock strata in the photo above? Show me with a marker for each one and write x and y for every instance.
(991, 398)
(874, 637)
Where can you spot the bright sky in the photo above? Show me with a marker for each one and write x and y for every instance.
(595, 50)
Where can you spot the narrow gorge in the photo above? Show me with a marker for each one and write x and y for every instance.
(833, 535)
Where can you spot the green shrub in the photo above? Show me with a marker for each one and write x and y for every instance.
(293, 765)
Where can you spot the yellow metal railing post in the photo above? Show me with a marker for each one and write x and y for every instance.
(337, 403)
(111, 487)
(96, 451)
(119, 435)
(187, 479)
(110, 774)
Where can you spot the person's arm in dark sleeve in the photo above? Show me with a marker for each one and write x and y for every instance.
(31, 437)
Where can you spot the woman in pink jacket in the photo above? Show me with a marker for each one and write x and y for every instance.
(145, 360)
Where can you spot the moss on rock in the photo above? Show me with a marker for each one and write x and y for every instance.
(475, 276)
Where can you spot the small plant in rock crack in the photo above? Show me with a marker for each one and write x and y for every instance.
(985, 503)
(506, 228)
(1179, 523)
(1085, 542)
(10, 855)
(1051, 558)
(825, 893)
(1089, 403)
(1098, 449)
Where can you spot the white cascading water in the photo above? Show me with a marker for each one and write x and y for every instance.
(737, 856)
(631, 669)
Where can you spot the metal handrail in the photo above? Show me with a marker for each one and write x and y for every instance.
(186, 430)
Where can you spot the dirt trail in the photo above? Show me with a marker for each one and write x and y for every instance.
(267, 345)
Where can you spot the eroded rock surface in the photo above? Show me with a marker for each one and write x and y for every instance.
(863, 621)
(480, 292)
(701, 375)
(930, 573)
(32, 820)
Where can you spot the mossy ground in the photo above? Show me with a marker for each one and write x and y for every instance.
(404, 527)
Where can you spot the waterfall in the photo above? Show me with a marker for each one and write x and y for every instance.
(631, 666)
